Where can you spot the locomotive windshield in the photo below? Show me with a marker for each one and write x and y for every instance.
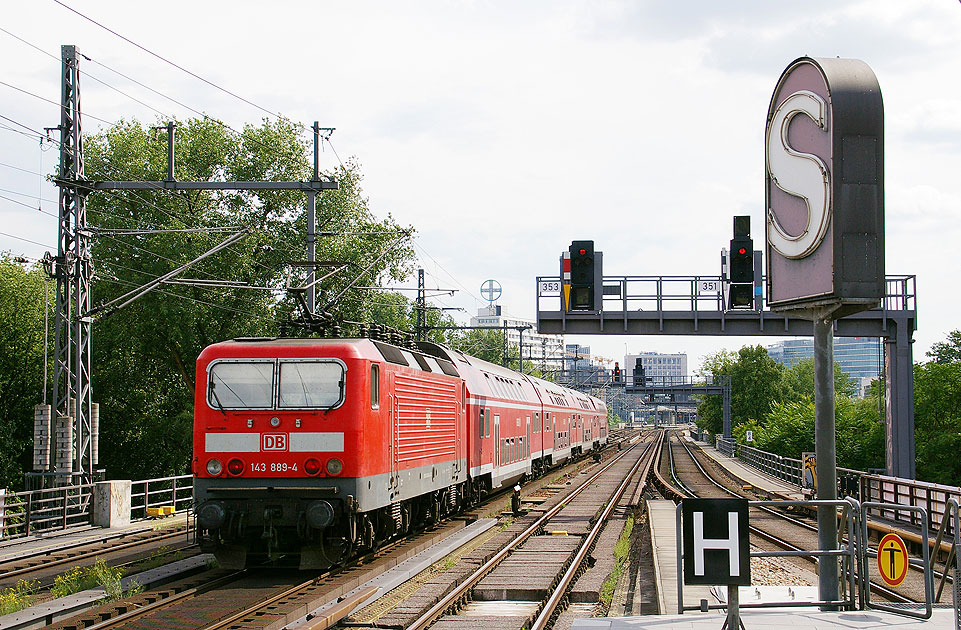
(311, 384)
(303, 384)
(241, 385)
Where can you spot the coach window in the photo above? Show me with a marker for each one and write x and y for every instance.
(311, 384)
(463, 395)
(374, 386)
(547, 420)
(487, 423)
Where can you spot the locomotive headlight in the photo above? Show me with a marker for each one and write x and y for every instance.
(334, 466)
(214, 467)
(275, 422)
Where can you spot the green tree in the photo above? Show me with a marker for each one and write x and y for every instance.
(937, 421)
(144, 354)
(799, 380)
(22, 304)
(789, 431)
(948, 351)
(483, 344)
(756, 383)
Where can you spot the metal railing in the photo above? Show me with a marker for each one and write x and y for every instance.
(698, 294)
(879, 491)
(847, 552)
(176, 491)
(925, 563)
(952, 565)
(784, 468)
(35, 511)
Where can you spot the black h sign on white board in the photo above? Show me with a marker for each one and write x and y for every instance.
(716, 546)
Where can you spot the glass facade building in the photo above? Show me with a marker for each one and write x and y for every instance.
(859, 357)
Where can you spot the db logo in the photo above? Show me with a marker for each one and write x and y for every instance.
(273, 442)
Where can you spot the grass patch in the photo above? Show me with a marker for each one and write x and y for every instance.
(17, 598)
(621, 550)
(81, 579)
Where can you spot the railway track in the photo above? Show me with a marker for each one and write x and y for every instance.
(532, 572)
(771, 528)
(127, 548)
(266, 598)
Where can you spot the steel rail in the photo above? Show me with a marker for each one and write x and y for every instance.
(85, 555)
(878, 588)
(449, 600)
(166, 601)
(560, 591)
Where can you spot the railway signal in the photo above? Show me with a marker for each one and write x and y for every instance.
(583, 275)
(740, 293)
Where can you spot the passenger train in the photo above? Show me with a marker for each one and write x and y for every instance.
(307, 450)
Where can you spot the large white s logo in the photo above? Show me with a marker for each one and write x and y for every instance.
(800, 174)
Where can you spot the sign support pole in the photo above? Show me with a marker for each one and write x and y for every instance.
(825, 448)
(733, 621)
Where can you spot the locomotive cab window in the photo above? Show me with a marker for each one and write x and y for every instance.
(311, 384)
(241, 384)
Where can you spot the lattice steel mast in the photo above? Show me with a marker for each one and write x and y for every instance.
(73, 269)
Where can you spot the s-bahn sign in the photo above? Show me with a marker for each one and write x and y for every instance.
(824, 187)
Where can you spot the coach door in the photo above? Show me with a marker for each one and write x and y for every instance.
(497, 440)
(527, 444)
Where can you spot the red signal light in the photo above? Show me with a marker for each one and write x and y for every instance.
(582, 252)
(312, 466)
(235, 467)
(742, 251)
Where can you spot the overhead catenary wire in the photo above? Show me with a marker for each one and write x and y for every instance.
(26, 240)
(167, 61)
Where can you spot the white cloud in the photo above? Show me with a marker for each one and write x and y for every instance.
(504, 130)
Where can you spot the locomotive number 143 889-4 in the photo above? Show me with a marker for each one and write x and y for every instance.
(273, 467)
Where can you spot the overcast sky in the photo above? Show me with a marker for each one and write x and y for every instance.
(502, 130)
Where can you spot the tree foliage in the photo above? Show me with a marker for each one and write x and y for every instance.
(777, 405)
(756, 383)
(144, 354)
(799, 381)
(948, 351)
(937, 421)
(789, 431)
(22, 304)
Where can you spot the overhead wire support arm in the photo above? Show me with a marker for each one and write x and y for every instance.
(107, 309)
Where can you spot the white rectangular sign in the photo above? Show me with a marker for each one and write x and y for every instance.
(549, 287)
(709, 286)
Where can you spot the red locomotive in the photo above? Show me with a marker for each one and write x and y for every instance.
(310, 449)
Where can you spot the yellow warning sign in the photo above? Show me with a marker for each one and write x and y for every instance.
(892, 559)
(567, 297)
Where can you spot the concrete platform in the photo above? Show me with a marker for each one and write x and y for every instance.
(943, 619)
(770, 485)
(663, 523)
